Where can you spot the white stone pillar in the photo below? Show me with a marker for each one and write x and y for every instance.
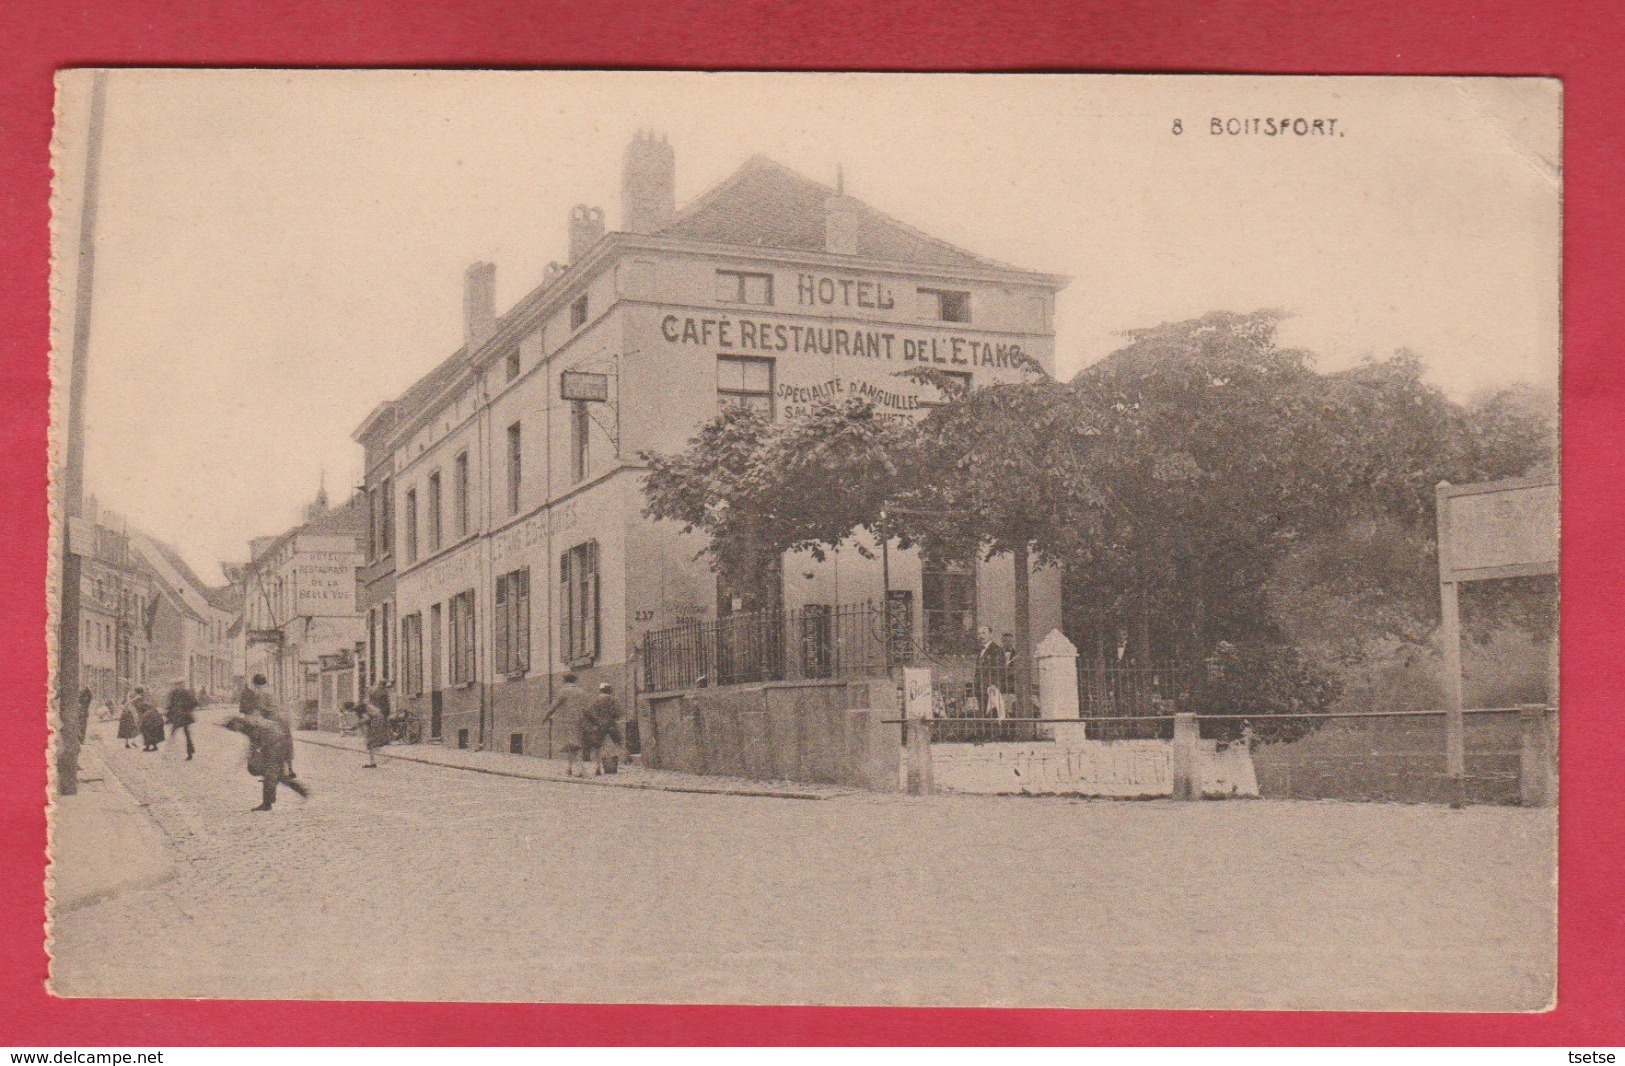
(1057, 660)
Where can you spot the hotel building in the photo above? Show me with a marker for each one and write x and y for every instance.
(506, 538)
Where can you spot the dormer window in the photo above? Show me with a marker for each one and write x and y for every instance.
(944, 305)
(739, 287)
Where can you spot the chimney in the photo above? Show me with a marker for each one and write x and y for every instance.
(840, 225)
(648, 184)
(586, 229)
(479, 303)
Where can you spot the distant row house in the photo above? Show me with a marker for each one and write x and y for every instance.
(146, 618)
(503, 535)
(191, 623)
(299, 624)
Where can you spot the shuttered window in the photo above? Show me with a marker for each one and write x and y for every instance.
(412, 655)
(511, 625)
(579, 616)
(462, 638)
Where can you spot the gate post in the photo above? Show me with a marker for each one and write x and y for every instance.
(1537, 784)
(1057, 676)
(917, 745)
(1183, 758)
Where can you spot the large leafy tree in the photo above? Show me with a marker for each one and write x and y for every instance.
(718, 486)
(758, 489)
(1004, 470)
(1251, 499)
(994, 471)
(1202, 455)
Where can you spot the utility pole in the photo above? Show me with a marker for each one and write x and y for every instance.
(70, 728)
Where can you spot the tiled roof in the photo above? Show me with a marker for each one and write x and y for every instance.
(765, 204)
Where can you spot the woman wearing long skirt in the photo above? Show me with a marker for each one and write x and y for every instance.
(375, 724)
(129, 726)
(151, 720)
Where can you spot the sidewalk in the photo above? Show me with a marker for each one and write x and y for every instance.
(532, 768)
(102, 841)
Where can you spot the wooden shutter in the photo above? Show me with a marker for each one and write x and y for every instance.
(566, 610)
(500, 624)
(593, 629)
(519, 609)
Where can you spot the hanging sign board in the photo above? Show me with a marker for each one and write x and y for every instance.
(1497, 529)
(579, 386)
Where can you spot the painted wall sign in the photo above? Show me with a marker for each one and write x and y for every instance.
(818, 290)
(890, 345)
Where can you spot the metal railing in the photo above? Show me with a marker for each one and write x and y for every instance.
(814, 642)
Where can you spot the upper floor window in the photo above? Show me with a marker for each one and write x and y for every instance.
(411, 525)
(514, 469)
(459, 494)
(944, 305)
(578, 312)
(512, 364)
(434, 511)
(745, 382)
(738, 287)
(386, 529)
(580, 440)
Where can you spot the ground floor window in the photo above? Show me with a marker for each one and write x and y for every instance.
(578, 621)
(948, 604)
(745, 382)
(511, 626)
(462, 638)
(412, 655)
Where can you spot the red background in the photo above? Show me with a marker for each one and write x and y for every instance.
(1579, 42)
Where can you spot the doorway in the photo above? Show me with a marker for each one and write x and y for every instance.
(436, 698)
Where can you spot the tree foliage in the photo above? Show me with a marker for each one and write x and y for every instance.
(1228, 460)
(1202, 484)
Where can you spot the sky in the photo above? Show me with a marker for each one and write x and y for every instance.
(279, 251)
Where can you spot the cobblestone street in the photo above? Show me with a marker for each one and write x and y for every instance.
(418, 882)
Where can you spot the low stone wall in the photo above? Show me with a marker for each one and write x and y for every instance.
(1073, 766)
(822, 732)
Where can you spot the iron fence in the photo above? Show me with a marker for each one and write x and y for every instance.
(1136, 702)
(1382, 756)
(814, 642)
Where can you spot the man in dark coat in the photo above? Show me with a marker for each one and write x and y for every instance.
(181, 712)
(257, 700)
(573, 700)
(270, 749)
(989, 668)
(601, 723)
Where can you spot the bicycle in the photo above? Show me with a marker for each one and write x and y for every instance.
(406, 729)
